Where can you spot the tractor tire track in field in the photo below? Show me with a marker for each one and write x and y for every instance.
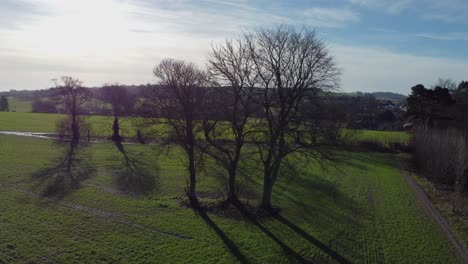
(460, 249)
(95, 212)
(378, 254)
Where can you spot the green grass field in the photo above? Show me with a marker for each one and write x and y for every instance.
(101, 126)
(17, 105)
(127, 205)
(384, 137)
(113, 210)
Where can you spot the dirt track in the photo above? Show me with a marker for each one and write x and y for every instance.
(460, 249)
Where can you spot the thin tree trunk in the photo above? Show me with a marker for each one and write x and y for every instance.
(190, 141)
(192, 176)
(269, 179)
(116, 129)
(267, 189)
(75, 128)
(232, 190)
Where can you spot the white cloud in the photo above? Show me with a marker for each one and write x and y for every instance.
(450, 36)
(446, 10)
(105, 41)
(390, 6)
(330, 17)
(371, 69)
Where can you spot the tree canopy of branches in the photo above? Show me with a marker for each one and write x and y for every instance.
(291, 69)
(231, 71)
(447, 83)
(180, 102)
(73, 95)
(121, 102)
(4, 106)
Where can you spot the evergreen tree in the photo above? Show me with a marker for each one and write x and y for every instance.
(4, 106)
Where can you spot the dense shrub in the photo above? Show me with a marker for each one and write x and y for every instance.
(43, 106)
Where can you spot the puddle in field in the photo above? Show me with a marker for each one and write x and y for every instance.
(56, 136)
(29, 134)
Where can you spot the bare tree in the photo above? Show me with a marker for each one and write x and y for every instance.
(294, 68)
(448, 83)
(178, 104)
(73, 95)
(122, 104)
(231, 70)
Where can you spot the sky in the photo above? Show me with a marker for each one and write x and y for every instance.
(380, 45)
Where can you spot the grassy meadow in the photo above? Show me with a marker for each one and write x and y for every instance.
(107, 203)
(18, 105)
(100, 126)
(362, 210)
(383, 137)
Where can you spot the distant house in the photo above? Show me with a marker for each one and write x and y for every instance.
(386, 105)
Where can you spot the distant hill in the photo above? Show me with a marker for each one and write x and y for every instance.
(387, 96)
(394, 97)
(30, 95)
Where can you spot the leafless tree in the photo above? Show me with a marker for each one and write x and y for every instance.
(446, 83)
(231, 71)
(178, 104)
(73, 95)
(122, 104)
(295, 68)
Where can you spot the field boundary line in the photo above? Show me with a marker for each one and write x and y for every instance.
(460, 249)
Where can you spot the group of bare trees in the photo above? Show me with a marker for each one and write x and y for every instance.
(280, 72)
(442, 156)
(73, 96)
(259, 91)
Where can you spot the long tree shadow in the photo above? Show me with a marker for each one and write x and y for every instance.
(233, 248)
(252, 218)
(316, 195)
(72, 168)
(135, 177)
(330, 252)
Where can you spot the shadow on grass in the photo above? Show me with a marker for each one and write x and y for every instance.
(301, 189)
(233, 248)
(252, 218)
(324, 248)
(71, 169)
(134, 178)
(307, 194)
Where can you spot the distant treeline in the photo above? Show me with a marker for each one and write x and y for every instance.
(379, 110)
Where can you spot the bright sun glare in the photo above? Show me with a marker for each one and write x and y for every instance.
(84, 28)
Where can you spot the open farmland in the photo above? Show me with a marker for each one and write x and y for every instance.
(129, 206)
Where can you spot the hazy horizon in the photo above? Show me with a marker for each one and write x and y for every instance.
(381, 45)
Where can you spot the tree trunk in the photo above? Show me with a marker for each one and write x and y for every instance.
(192, 176)
(232, 190)
(75, 128)
(267, 189)
(269, 177)
(116, 128)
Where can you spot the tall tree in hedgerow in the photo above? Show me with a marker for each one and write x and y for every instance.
(228, 121)
(4, 106)
(122, 104)
(295, 69)
(177, 104)
(73, 96)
